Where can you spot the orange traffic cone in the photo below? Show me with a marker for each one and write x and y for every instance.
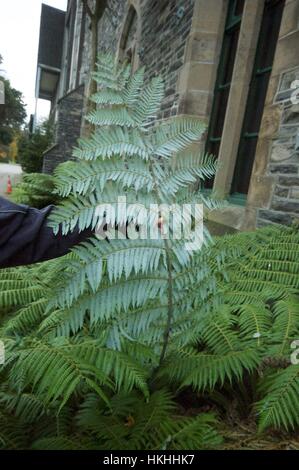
(9, 186)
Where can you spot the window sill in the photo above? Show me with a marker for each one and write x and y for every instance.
(236, 199)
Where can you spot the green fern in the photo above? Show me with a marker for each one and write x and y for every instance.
(35, 190)
(133, 424)
(280, 406)
(96, 340)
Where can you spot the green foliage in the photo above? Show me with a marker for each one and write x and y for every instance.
(35, 190)
(252, 329)
(130, 423)
(32, 146)
(101, 344)
(12, 113)
(247, 333)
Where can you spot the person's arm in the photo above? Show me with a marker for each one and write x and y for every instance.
(25, 237)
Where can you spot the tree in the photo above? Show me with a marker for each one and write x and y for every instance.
(32, 147)
(12, 112)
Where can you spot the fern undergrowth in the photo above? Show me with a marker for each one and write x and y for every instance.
(102, 344)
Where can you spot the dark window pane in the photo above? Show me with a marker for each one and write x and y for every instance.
(246, 154)
(257, 94)
(221, 100)
(213, 147)
(269, 33)
(255, 103)
(229, 53)
(239, 7)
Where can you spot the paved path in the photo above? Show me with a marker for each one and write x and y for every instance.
(8, 169)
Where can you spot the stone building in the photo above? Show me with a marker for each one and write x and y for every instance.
(233, 63)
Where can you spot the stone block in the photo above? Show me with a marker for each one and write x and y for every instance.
(294, 193)
(201, 47)
(286, 56)
(197, 76)
(281, 151)
(232, 216)
(275, 217)
(284, 169)
(290, 115)
(288, 180)
(285, 205)
(208, 15)
(260, 190)
(290, 19)
(281, 191)
(270, 122)
(195, 102)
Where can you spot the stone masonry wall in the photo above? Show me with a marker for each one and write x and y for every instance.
(280, 128)
(110, 26)
(284, 160)
(180, 40)
(165, 27)
(67, 129)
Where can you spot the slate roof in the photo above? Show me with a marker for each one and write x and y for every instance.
(51, 36)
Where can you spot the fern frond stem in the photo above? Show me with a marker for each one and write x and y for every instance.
(170, 311)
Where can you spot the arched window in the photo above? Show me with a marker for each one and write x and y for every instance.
(129, 39)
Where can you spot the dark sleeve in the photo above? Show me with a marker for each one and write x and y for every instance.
(25, 237)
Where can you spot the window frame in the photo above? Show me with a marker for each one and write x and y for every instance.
(232, 25)
(258, 72)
